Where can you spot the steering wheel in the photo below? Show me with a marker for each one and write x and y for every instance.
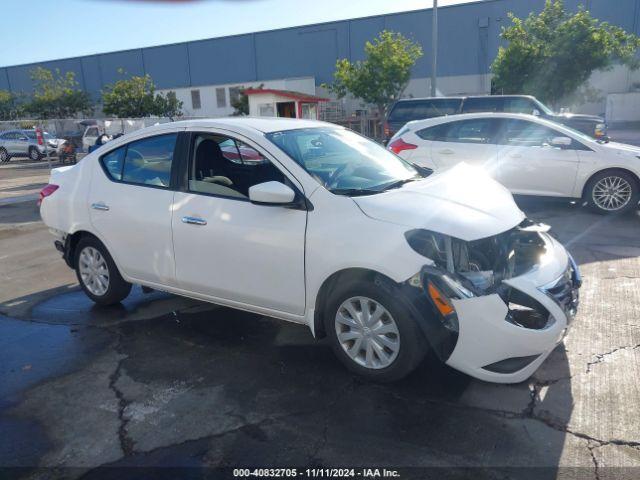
(333, 178)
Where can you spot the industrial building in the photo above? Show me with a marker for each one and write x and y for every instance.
(207, 74)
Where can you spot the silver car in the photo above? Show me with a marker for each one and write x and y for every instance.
(24, 143)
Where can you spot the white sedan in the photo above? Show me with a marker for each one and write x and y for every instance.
(529, 156)
(311, 223)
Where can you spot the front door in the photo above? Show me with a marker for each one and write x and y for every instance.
(228, 248)
(469, 141)
(529, 165)
(130, 204)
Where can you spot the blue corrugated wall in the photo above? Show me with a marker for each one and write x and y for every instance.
(468, 33)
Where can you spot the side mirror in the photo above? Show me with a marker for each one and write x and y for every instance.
(271, 193)
(536, 112)
(561, 142)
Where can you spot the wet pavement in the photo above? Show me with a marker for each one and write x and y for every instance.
(189, 388)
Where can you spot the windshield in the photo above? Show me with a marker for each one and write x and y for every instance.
(543, 108)
(344, 162)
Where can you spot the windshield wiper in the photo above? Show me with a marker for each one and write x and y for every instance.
(354, 192)
(397, 184)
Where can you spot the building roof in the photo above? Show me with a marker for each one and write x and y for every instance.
(303, 97)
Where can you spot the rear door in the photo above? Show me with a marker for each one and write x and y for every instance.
(529, 165)
(471, 141)
(130, 204)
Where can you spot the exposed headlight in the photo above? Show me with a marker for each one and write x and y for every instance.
(431, 245)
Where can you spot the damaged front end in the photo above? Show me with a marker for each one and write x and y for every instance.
(510, 296)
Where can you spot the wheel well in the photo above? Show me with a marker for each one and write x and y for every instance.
(610, 170)
(346, 275)
(72, 242)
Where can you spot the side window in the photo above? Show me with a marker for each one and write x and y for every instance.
(113, 162)
(519, 105)
(227, 167)
(92, 132)
(526, 134)
(437, 133)
(406, 111)
(470, 131)
(148, 161)
(482, 104)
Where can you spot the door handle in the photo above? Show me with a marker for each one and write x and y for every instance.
(516, 155)
(447, 151)
(99, 206)
(194, 220)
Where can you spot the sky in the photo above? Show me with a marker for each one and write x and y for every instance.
(50, 29)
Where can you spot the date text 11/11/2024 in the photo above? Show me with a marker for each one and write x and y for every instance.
(316, 473)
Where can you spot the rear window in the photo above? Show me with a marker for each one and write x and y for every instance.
(144, 162)
(420, 109)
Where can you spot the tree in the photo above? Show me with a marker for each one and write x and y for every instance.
(56, 95)
(240, 103)
(10, 107)
(133, 97)
(384, 74)
(136, 97)
(552, 54)
(168, 105)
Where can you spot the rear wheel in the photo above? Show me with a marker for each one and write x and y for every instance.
(373, 333)
(612, 191)
(34, 154)
(4, 155)
(97, 273)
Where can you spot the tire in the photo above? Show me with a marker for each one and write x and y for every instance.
(612, 192)
(4, 155)
(408, 345)
(34, 154)
(91, 273)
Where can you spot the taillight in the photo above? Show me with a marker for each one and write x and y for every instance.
(46, 191)
(399, 145)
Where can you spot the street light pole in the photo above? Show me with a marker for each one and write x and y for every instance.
(434, 47)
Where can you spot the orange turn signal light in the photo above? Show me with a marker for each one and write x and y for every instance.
(441, 302)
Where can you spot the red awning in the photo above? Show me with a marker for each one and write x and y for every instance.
(301, 97)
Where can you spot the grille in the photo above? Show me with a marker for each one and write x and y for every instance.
(565, 290)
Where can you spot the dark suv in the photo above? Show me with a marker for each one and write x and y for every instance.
(421, 108)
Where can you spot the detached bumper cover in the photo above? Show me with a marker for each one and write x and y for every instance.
(493, 348)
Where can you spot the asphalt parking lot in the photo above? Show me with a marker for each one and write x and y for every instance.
(162, 381)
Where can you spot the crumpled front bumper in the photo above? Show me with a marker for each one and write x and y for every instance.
(491, 348)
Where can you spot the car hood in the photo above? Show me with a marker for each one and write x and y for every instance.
(462, 202)
(580, 117)
(621, 148)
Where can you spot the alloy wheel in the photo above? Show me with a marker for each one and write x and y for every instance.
(4, 156)
(367, 332)
(94, 271)
(33, 154)
(612, 193)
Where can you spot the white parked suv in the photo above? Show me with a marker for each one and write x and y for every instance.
(528, 155)
(309, 222)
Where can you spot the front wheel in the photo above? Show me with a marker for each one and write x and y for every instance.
(97, 273)
(373, 333)
(4, 155)
(612, 192)
(34, 154)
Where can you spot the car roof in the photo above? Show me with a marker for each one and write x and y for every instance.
(469, 116)
(261, 124)
(422, 99)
